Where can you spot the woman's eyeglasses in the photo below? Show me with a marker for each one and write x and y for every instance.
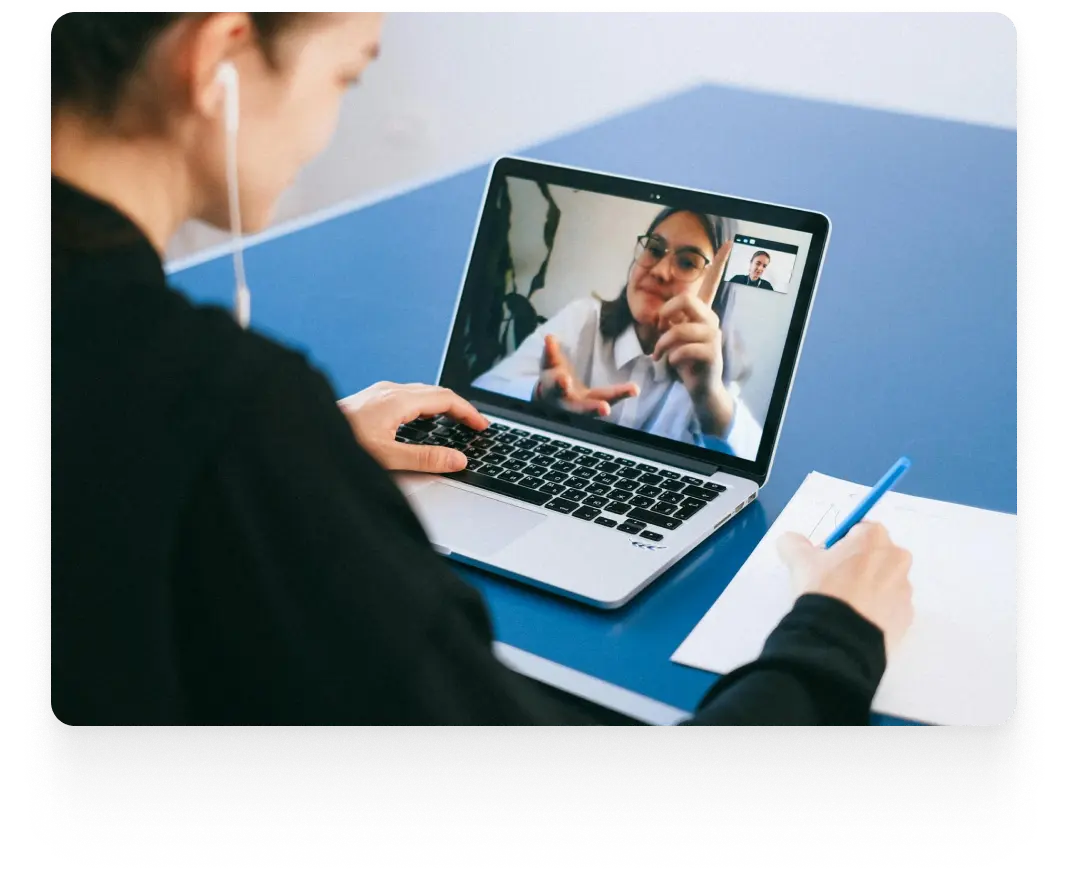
(687, 263)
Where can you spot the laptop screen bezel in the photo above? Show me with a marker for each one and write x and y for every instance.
(454, 372)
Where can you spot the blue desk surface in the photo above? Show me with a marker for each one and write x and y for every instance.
(912, 346)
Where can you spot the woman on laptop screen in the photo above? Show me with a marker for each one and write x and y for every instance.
(654, 358)
(227, 544)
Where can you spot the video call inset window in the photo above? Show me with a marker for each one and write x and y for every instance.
(761, 263)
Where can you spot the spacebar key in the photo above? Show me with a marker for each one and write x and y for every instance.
(486, 482)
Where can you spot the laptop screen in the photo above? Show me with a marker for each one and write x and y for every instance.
(661, 316)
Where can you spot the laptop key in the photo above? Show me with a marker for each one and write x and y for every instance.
(563, 466)
(584, 473)
(605, 522)
(687, 479)
(651, 535)
(720, 488)
(576, 483)
(567, 455)
(551, 489)
(605, 478)
(673, 486)
(512, 477)
(593, 500)
(655, 518)
(643, 467)
(496, 485)
(491, 469)
(700, 493)
(623, 461)
(599, 490)
(539, 438)
(473, 465)
(498, 426)
(528, 481)
(572, 494)
(641, 502)
(670, 499)
(664, 508)
(617, 507)
(586, 512)
(560, 505)
(557, 477)
(526, 444)
(577, 448)
(608, 467)
(513, 465)
(523, 455)
(587, 461)
(665, 473)
(649, 490)
(615, 494)
(629, 528)
(600, 455)
(422, 424)
(686, 512)
(626, 472)
(626, 485)
(650, 479)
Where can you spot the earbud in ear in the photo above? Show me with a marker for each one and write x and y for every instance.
(227, 77)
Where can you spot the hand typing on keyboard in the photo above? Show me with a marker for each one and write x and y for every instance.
(376, 413)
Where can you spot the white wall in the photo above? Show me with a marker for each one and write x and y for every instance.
(452, 90)
(593, 245)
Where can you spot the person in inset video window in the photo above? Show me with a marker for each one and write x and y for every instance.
(759, 261)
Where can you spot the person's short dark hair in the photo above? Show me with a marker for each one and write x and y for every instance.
(761, 252)
(95, 55)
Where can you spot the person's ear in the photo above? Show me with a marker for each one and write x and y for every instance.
(212, 41)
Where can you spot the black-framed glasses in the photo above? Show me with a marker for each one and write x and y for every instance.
(687, 263)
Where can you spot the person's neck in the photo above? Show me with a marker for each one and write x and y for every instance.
(647, 335)
(140, 177)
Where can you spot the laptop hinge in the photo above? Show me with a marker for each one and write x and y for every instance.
(613, 443)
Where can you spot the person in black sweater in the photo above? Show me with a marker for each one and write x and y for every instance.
(753, 277)
(207, 486)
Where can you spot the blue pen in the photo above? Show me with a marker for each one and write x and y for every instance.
(871, 499)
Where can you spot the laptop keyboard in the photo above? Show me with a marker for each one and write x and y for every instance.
(600, 488)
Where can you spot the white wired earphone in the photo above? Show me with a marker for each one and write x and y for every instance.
(227, 77)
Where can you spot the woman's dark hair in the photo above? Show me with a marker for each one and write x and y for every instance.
(615, 316)
(96, 54)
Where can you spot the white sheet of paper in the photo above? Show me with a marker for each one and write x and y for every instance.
(957, 664)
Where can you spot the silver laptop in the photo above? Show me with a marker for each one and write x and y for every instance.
(634, 345)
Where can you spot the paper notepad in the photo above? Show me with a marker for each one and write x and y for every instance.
(957, 663)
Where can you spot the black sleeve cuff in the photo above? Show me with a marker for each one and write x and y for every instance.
(832, 651)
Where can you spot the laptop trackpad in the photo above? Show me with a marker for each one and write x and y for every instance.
(470, 523)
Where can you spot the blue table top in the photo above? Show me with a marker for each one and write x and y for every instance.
(912, 346)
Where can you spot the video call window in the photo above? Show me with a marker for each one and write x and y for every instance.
(580, 290)
(761, 263)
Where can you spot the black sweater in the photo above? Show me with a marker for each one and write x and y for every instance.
(206, 495)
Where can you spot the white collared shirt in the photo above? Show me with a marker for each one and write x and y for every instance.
(662, 407)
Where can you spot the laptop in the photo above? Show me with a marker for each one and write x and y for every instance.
(634, 345)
